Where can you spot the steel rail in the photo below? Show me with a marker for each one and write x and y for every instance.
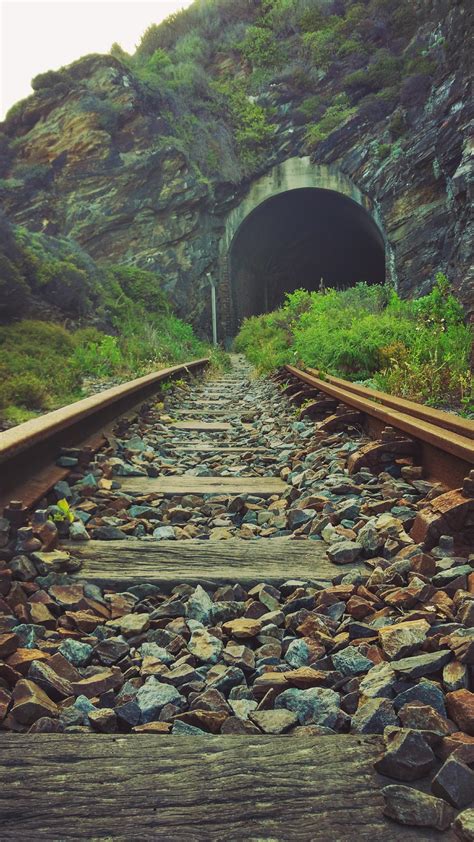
(30, 447)
(448, 420)
(435, 433)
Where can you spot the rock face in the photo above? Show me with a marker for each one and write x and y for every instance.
(113, 177)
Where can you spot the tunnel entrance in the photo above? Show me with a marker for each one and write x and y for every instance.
(295, 239)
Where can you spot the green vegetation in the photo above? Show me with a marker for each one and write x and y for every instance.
(239, 67)
(43, 365)
(417, 349)
(332, 119)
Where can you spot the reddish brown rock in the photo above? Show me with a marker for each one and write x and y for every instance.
(242, 628)
(41, 615)
(206, 719)
(22, 659)
(96, 685)
(5, 581)
(103, 720)
(424, 717)
(5, 699)
(63, 667)
(460, 706)
(8, 644)
(153, 728)
(31, 703)
(45, 677)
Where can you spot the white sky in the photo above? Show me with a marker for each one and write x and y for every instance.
(36, 36)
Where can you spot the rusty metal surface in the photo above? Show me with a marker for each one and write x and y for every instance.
(435, 433)
(448, 420)
(32, 447)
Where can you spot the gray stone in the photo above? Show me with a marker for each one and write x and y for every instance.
(152, 650)
(408, 806)
(153, 696)
(164, 533)
(378, 682)
(372, 716)
(77, 653)
(199, 605)
(184, 729)
(108, 533)
(407, 756)
(455, 783)
(345, 552)
(419, 665)
(78, 532)
(426, 692)
(317, 705)
(274, 721)
(349, 661)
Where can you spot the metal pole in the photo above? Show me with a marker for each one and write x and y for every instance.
(213, 309)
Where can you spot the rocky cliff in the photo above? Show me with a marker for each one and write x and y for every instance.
(140, 159)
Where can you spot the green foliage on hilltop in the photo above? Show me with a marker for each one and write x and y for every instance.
(239, 67)
(417, 349)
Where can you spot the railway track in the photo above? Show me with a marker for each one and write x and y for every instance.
(193, 658)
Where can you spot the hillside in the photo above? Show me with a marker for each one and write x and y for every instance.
(139, 159)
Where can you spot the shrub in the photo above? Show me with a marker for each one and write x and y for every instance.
(248, 119)
(27, 391)
(58, 80)
(397, 124)
(259, 47)
(420, 349)
(415, 89)
(13, 288)
(107, 113)
(332, 119)
(383, 151)
(141, 287)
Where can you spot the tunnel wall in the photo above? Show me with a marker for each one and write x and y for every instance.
(292, 174)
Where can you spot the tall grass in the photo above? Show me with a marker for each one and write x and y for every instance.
(417, 349)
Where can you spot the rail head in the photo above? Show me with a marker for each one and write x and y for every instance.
(29, 434)
(448, 420)
(432, 432)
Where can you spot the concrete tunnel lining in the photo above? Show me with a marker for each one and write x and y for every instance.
(257, 221)
(296, 239)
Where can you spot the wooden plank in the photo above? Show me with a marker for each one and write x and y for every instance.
(167, 563)
(170, 486)
(200, 445)
(217, 413)
(202, 426)
(193, 788)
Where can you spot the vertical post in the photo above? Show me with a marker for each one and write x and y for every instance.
(213, 308)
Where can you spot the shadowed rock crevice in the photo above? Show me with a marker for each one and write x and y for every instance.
(297, 238)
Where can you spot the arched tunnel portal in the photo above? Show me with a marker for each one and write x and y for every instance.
(297, 226)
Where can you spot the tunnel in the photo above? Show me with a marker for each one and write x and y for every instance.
(296, 239)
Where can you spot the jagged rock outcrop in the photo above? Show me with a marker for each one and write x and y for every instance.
(95, 158)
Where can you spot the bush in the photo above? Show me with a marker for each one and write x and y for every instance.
(248, 119)
(13, 288)
(332, 119)
(58, 80)
(260, 49)
(420, 349)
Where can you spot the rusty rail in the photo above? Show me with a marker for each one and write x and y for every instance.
(28, 452)
(445, 440)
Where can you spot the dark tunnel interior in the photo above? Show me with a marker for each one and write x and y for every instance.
(296, 239)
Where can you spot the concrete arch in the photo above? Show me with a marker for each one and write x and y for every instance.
(294, 177)
(294, 174)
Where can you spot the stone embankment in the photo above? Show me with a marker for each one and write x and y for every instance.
(376, 638)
